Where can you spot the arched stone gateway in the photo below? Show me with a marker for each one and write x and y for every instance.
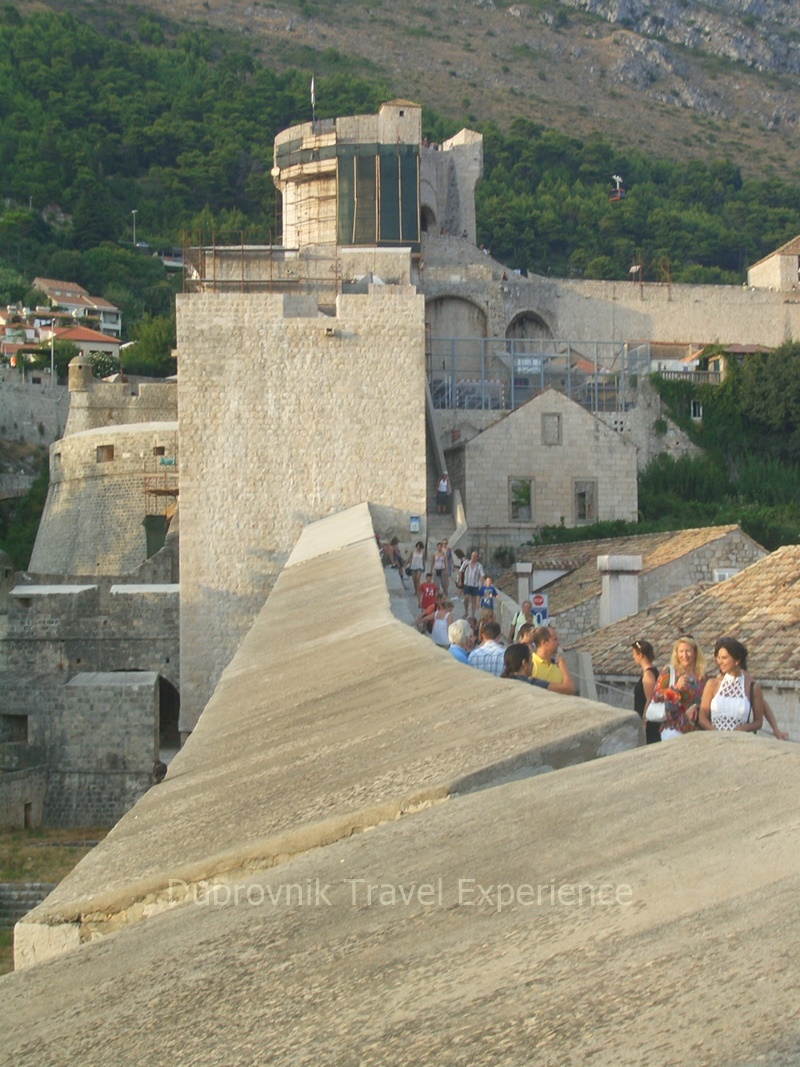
(528, 326)
(427, 220)
(453, 316)
(169, 706)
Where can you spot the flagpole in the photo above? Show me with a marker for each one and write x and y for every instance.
(313, 103)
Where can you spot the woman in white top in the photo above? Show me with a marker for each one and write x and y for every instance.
(726, 703)
(441, 623)
(416, 565)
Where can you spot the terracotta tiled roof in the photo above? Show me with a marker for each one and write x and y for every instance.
(81, 334)
(760, 606)
(584, 582)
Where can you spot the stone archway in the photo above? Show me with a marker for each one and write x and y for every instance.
(427, 220)
(527, 325)
(169, 706)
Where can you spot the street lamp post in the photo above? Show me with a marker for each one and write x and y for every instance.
(134, 226)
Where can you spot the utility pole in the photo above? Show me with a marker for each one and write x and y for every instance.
(134, 226)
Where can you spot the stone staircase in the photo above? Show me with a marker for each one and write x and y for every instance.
(18, 898)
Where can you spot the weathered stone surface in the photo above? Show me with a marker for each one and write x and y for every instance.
(382, 949)
(332, 718)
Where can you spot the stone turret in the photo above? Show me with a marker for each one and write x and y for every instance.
(80, 374)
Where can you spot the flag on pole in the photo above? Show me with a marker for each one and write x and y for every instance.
(313, 95)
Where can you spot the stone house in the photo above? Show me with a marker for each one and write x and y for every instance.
(780, 270)
(548, 462)
(75, 300)
(669, 563)
(89, 342)
(759, 606)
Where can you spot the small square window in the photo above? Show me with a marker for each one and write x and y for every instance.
(551, 429)
(105, 453)
(520, 499)
(585, 501)
(159, 450)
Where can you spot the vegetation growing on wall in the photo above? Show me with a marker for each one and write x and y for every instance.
(19, 520)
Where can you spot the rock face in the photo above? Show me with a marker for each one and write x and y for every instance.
(758, 33)
(629, 68)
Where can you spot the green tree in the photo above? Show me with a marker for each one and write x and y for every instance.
(152, 353)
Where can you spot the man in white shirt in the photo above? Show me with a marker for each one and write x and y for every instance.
(473, 580)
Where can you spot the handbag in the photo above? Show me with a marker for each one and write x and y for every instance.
(656, 710)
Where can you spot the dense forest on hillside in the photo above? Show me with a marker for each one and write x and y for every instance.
(177, 125)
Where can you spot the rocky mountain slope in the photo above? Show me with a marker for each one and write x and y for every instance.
(673, 77)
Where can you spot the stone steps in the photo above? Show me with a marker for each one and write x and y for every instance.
(18, 898)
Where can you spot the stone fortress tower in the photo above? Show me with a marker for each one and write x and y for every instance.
(302, 391)
(303, 367)
(90, 663)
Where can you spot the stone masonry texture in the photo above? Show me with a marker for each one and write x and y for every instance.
(299, 418)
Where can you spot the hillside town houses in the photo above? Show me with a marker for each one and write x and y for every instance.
(91, 323)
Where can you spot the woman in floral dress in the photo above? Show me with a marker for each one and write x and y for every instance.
(680, 687)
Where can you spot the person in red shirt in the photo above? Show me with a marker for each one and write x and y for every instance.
(427, 592)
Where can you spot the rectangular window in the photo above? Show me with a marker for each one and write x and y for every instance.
(520, 499)
(551, 429)
(722, 574)
(585, 501)
(159, 450)
(14, 728)
(697, 410)
(105, 453)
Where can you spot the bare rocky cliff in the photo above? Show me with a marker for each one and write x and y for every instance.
(675, 78)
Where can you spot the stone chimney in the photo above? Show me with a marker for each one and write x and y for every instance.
(620, 593)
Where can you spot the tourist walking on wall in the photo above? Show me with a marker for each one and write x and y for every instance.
(488, 656)
(733, 701)
(439, 565)
(416, 565)
(442, 619)
(518, 664)
(442, 493)
(448, 566)
(523, 616)
(461, 640)
(643, 656)
(473, 575)
(549, 664)
(680, 688)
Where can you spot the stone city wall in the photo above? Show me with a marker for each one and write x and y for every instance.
(102, 627)
(106, 404)
(110, 722)
(96, 503)
(32, 412)
(301, 418)
(610, 311)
